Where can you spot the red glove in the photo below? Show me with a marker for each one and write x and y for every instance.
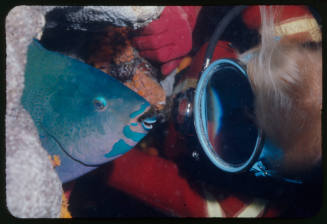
(168, 38)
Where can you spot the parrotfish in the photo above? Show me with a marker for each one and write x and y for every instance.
(83, 115)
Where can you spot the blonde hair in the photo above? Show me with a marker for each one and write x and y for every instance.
(287, 81)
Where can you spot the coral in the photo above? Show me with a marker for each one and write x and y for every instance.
(112, 52)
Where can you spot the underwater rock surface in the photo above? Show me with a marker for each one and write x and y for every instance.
(33, 189)
(95, 17)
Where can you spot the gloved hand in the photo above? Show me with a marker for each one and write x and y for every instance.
(169, 38)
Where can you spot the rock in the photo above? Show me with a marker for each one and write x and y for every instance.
(33, 188)
(93, 18)
(113, 53)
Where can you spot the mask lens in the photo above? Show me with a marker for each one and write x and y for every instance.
(228, 116)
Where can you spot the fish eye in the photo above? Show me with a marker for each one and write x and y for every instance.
(100, 103)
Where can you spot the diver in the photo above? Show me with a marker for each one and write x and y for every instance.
(288, 96)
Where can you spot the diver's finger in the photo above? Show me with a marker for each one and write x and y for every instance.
(162, 55)
(168, 67)
(152, 42)
(155, 27)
